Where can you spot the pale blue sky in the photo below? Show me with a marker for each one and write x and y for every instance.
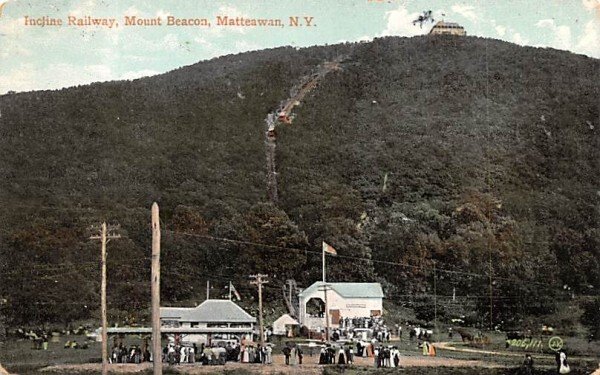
(34, 58)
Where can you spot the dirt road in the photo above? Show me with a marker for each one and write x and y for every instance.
(309, 366)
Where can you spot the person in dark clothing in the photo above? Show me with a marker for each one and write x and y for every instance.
(557, 360)
(299, 353)
(258, 356)
(323, 360)
(331, 355)
(286, 353)
(204, 359)
(528, 365)
(380, 357)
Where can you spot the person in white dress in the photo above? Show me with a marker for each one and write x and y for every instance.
(293, 357)
(245, 355)
(192, 355)
(269, 351)
(564, 366)
(183, 355)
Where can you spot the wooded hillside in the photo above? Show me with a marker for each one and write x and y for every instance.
(465, 152)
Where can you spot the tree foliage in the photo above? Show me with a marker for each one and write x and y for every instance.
(463, 152)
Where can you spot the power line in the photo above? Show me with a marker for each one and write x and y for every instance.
(421, 268)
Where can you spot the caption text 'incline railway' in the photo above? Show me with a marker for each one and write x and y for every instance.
(89, 21)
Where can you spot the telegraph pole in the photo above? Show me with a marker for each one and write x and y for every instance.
(491, 292)
(290, 284)
(156, 336)
(258, 280)
(326, 305)
(104, 237)
(325, 289)
(434, 297)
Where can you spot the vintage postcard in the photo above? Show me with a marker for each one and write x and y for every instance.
(300, 187)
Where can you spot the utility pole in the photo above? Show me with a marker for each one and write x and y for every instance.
(491, 294)
(290, 284)
(491, 270)
(324, 290)
(104, 237)
(207, 289)
(434, 297)
(258, 280)
(156, 336)
(330, 250)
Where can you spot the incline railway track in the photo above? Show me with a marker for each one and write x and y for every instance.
(284, 115)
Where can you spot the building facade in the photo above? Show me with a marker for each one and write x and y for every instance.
(211, 322)
(447, 28)
(344, 300)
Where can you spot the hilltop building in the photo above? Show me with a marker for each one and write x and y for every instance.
(344, 300)
(447, 28)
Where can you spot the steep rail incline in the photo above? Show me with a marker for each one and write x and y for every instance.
(284, 115)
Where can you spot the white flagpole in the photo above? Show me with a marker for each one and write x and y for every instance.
(326, 304)
(323, 264)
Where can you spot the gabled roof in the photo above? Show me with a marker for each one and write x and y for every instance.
(348, 290)
(211, 310)
(285, 319)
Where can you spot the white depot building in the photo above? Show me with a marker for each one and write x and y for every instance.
(212, 320)
(344, 300)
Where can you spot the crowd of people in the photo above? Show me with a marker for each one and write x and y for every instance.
(256, 354)
(383, 356)
(176, 353)
(133, 354)
(343, 355)
(387, 356)
(293, 354)
(362, 328)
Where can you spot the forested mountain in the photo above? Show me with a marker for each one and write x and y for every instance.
(476, 154)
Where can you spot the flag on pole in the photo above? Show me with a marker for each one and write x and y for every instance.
(235, 292)
(328, 249)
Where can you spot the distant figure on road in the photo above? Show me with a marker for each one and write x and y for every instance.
(293, 356)
(286, 353)
(323, 356)
(528, 365)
